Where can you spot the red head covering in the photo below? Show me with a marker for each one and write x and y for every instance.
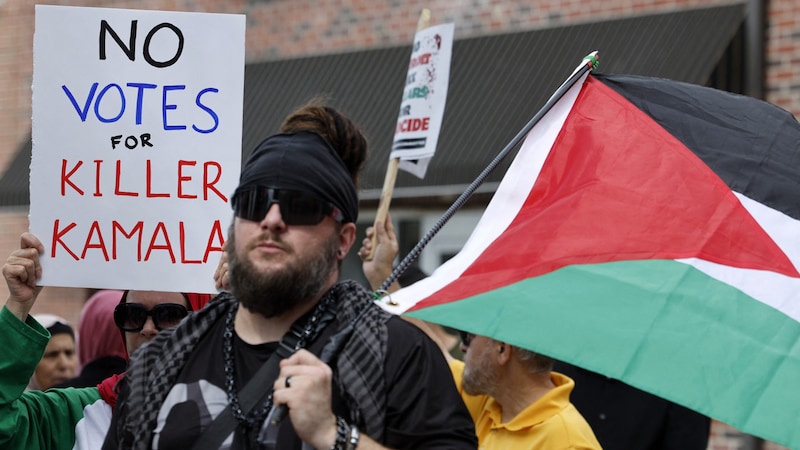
(197, 301)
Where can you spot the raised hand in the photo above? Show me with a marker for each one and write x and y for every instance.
(21, 271)
(379, 267)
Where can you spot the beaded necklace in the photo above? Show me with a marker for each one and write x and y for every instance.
(314, 324)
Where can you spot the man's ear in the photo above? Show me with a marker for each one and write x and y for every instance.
(502, 352)
(347, 236)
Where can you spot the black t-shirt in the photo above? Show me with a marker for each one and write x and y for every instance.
(424, 409)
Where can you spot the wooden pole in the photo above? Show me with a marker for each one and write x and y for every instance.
(394, 163)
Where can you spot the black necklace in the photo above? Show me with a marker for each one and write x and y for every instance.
(309, 332)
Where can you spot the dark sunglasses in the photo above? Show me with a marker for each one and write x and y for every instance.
(133, 316)
(297, 207)
(466, 338)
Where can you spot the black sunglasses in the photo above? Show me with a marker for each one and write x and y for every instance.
(297, 207)
(133, 316)
(466, 338)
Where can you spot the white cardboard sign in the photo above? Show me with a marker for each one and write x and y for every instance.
(137, 125)
(424, 97)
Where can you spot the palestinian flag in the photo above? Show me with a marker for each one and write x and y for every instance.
(648, 230)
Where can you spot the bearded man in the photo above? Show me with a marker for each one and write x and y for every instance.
(383, 384)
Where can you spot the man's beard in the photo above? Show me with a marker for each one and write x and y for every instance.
(278, 291)
(479, 380)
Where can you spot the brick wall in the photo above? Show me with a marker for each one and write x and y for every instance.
(783, 54)
(16, 61)
(285, 28)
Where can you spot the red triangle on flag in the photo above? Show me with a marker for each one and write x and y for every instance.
(617, 186)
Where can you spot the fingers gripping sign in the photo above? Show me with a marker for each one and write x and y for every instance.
(21, 270)
(304, 386)
(221, 277)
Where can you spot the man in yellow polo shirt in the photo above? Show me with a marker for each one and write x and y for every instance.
(516, 400)
(514, 397)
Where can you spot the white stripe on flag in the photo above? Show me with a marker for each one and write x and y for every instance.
(504, 207)
(773, 289)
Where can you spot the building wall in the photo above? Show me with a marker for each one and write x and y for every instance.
(287, 28)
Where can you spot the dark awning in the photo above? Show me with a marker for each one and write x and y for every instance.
(497, 83)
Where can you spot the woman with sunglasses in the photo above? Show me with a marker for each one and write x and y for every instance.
(65, 418)
(140, 315)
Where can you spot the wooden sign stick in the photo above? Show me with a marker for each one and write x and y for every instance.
(392, 167)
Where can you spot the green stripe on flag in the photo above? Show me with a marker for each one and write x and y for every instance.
(643, 322)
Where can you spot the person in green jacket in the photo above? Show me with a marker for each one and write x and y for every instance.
(63, 418)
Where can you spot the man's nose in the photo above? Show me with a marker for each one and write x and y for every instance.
(64, 360)
(273, 218)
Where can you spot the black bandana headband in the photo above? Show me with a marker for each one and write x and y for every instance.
(301, 161)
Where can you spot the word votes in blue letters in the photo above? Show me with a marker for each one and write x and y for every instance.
(113, 96)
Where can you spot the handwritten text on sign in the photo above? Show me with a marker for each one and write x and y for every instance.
(422, 108)
(136, 145)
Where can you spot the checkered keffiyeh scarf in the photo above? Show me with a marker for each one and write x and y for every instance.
(359, 368)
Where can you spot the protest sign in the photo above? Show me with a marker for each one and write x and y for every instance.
(424, 98)
(137, 124)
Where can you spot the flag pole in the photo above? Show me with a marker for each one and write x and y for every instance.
(394, 163)
(588, 63)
